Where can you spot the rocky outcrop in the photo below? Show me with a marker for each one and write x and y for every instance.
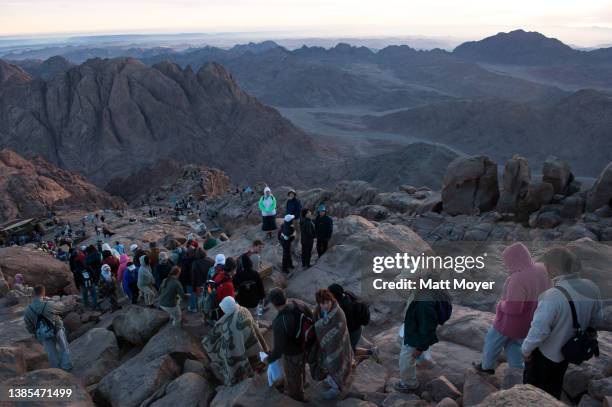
(516, 180)
(94, 355)
(470, 186)
(9, 72)
(37, 268)
(557, 173)
(33, 187)
(521, 396)
(136, 115)
(138, 324)
(601, 193)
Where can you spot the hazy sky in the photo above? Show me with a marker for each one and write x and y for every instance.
(582, 22)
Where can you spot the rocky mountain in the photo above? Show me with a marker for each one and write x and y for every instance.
(9, 72)
(576, 128)
(33, 187)
(45, 69)
(254, 47)
(109, 118)
(519, 47)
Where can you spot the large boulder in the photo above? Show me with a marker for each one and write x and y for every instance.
(515, 183)
(355, 193)
(369, 377)
(476, 388)
(158, 363)
(470, 186)
(49, 378)
(252, 392)
(441, 388)
(137, 324)
(466, 327)
(400, 201)
(188, 390)
(94, 355)
(37, 268)
(538, 194)
(12, 362)
(557, 173)
(520, 396)
(601, 192)
(595, 259)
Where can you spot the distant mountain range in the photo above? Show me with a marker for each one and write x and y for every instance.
(108, 118)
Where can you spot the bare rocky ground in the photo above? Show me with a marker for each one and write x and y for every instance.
(133, 357)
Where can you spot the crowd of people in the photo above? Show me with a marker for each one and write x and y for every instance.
(543, 307)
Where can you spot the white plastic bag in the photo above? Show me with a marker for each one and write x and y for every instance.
(275, 371)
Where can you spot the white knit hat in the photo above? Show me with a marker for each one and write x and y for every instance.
(289, 218)
(220, 259)
(133, 247)
(228, 305)
(106, 247)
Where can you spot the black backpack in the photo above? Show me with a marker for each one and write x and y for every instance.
(583, 345)
(444, 307)
(304, 328)
(361, 310)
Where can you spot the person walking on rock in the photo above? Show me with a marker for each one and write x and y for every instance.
(553, 324)
(324, 228)
(514, 311)
(307, 236)
(146, 282)
(288, 343)
(286, 235)
(43, 320)
(420, 323)
(199, 274)
(130, 282)
(333, 359)
(170, 295)
(267, 206)
(234, 343)
(249, 287)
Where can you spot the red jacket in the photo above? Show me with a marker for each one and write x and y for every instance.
(225, 286)
(113, 263)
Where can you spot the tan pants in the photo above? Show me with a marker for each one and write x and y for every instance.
(175, 314)
(148, 294)
(295, 372)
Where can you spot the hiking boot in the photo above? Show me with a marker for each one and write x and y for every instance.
(375, 353)
(404, 387)
(478, 367)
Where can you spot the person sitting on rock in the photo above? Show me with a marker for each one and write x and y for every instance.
(43, 320)
(420, 323)
(130, 282)
(146, 282)
(170, 295)
(209, 241)
(286, 235)
(234, 343)
(20, 287)
(333, 355)
(324, 228)
(307, 236)
(108, 288)
(267, 206)
(514, 311)
(356, 316)
(287, 344)
(552, 325)
(250, 290)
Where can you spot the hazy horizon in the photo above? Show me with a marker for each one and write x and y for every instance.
(587, 24)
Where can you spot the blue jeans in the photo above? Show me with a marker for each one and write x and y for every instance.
(85, 292)
(58, 351)
(495, 342)
(193, 305)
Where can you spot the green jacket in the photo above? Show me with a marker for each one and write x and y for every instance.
(420, 324)
(271, 210)
(170, 292)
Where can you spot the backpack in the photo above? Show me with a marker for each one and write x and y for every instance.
(444, 307)
(44, 329)
(361, 310)
(583, 345)
(305, 334)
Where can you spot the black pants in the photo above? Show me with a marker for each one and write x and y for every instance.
(322, 246)
(306, 251)
(287, 262)
(545, 374)
(135, 292)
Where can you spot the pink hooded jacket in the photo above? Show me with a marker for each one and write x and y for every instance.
(123, 261)
(522, 288)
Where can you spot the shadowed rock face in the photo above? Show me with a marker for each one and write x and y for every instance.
(111, 117)
(32, 187)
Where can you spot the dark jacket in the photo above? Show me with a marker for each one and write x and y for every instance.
(287, 230)
(347, 307)
(199, 271)
(284, 329)
(420, 323)
(161, 272)
(185, 264)
(249, 287)
(294, 207)
(324, 227)
(171, 290)
(307, 230)
(93, 262)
